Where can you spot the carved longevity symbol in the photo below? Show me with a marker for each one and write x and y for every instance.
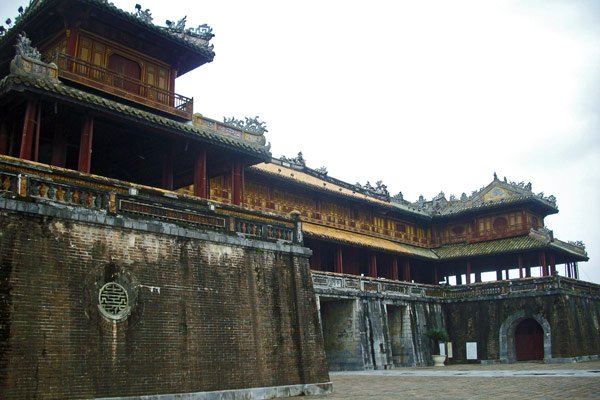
(113, 300)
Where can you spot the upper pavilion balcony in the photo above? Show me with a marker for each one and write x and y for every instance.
(106, 80)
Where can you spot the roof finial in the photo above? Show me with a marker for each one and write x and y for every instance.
(495, 177)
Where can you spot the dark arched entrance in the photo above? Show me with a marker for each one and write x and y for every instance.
(529, 340)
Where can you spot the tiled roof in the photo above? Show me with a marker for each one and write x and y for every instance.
(497, 193)
(357, 239)
(38, 5)
(533, 241)
(20, 83)
(304, 178)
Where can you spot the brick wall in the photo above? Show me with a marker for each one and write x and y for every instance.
(203, 316)
(573, 322)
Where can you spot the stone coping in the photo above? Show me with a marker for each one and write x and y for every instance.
(310, 389)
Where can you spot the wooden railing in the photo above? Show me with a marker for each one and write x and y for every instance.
(132, 89)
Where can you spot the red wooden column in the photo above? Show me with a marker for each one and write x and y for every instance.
(85, 145)
(520, 262)
(459, 279)
(436, 276)
(395, 268)
(468, 273)
(528, 272)
(406, 272)
(575, 271)
(72, 34)
(477, 276)
(498, 274)
(373, 265)
(31, 130)
(339, 260)
(552, 264)
(200, 175)
(237, 183)
(4, 138)
(543, 264)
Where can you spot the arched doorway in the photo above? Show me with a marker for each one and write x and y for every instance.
(529, 340)
(508, 337)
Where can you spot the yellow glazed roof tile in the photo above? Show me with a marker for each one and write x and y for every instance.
(351, 238)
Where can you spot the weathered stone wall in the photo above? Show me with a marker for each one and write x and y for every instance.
(367, 331)
(206, 314)
(572, 321)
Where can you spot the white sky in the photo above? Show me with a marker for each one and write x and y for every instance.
(427, 96)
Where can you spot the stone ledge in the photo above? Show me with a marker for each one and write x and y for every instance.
(146, 225)
(310, 389)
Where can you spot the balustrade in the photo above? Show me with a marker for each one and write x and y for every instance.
(101, 78)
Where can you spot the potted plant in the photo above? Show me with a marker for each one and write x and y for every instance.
(438, 335)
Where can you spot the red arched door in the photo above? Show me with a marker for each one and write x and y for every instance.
(529, 340)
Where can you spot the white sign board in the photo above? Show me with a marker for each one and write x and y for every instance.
(442, 349)
(449, 345)
(471, 350)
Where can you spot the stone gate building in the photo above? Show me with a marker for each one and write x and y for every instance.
(149, 251)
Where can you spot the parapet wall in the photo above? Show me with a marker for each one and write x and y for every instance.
(190, 309)
(567, 310)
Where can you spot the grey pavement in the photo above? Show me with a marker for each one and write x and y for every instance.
(471, 381)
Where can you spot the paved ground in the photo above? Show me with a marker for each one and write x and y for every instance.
(500, 381)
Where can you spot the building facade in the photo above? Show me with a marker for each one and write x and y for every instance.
(149, 251)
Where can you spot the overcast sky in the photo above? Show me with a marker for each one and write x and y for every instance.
(427, 96)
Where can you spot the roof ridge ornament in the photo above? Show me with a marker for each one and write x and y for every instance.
(144, 15)
(252, 125)
(199, 35)
(298, 160)
(24, 48)
(28, 61)
(379, 190)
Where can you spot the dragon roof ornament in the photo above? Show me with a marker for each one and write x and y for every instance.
(379, 190)
(498, 190)
(198, 37)
(24, 48)
(298, 160)
(252, 125)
